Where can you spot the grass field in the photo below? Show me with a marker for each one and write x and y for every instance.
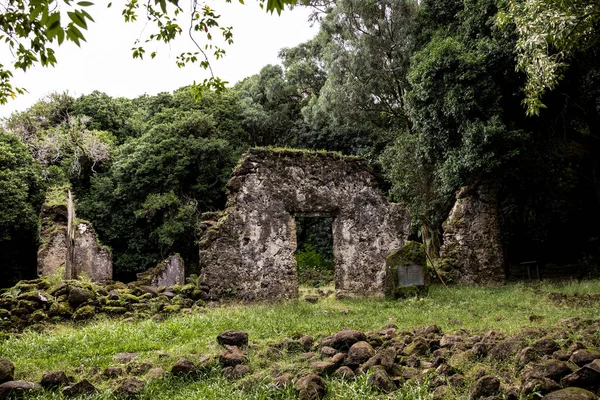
(82, 350)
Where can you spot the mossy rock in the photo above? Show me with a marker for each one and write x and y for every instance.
(188, 289)
(7, 303)
(28, 305)
(114, 310)
(60, 309)
(129, 298)
(145, 296)
(171, 309)
(412, 253)
(38, 315)
(84, 312)
(25, 286)
(115, 303)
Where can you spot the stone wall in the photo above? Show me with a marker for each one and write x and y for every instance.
(248, 251)
(169, 272)
(472, 250)
(54, 247)
(68, 243)
(89, 258)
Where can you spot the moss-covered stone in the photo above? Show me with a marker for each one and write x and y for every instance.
(172, 309)
(129, 298)
(38, 316)
(84, 312)
(60, 309)
(114, 310)
(412, 253)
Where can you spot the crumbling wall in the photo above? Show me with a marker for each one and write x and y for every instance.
(54, 246)
(89, 258)
(248, 251)
(69, 244)
(472, 250)
(167, 273)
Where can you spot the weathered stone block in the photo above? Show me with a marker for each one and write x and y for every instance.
(89, 257)
(407, 273)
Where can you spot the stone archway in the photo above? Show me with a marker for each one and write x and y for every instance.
(248, 250)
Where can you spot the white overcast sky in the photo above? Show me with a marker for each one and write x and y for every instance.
(105, 63)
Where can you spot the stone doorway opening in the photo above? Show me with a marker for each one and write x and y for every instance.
(315, 261)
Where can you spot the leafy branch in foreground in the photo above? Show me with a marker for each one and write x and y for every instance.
(550, 32)
(29, 29)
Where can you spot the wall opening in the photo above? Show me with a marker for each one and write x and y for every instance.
(314, 253)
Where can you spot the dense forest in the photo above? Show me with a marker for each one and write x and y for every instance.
(431, 94)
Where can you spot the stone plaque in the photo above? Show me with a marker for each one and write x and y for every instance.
(410, 275)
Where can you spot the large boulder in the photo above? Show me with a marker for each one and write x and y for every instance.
(7, 370)
(233, 338)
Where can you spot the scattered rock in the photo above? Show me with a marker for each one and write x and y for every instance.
(183, 367)
(83, 388)
(139, 368)
(584, 356)
(527, 355)
(380, 380)
(16, 389)
(541, 385)
(130, 387)
(237, 372)
(551, 369)
(7, 370)
(323, 367)
(344, 339)
(487, 385)
(232, 356)
(112, 372)
(359, 353)
(571, 393)
(545, 346)
(419, 346)
(78, 296)
(448, 340)
(506, 349)
(338, 358)
(233, 338)
(310, 387)
(327, 352)
(587, 377)
(344, 373)
(51, 380)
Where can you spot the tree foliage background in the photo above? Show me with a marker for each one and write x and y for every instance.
(436, 94)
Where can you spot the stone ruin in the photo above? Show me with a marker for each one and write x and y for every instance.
(169, 272)
(472, 251)
(68, 243)
(248, 250)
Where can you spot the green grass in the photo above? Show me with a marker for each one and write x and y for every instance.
(79, 349)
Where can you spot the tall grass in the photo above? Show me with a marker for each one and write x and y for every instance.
(81, 349)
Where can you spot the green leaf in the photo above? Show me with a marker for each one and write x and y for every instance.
(77, 19)
(85, 3)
